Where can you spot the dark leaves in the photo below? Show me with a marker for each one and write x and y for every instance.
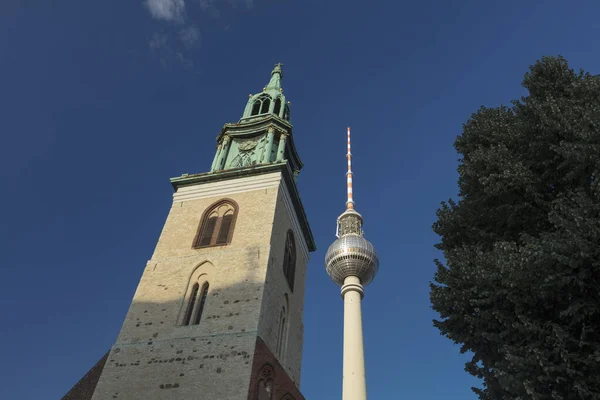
(521, 285)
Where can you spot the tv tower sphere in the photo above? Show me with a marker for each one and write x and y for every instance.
(351, 255)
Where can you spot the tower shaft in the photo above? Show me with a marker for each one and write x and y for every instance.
(351, 262)
(354, 379)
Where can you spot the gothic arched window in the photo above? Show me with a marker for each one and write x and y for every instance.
(261, 104)
(277, 106)
(282, 332)
(256, 107)
(190, 306)
(195, 306)
(289, 259)
(216, 225)
(265, 383)
(265, 106)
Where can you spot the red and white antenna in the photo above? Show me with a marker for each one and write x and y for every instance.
(350, 202)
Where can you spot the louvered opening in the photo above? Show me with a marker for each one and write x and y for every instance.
(218, 223)
(208, 231)
(224, 230)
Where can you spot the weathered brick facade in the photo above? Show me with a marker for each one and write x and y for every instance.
(266, 366)
(84, 389)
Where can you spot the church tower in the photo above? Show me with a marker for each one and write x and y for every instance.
(217, 314)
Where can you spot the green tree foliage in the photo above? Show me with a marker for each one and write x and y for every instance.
(520, 289)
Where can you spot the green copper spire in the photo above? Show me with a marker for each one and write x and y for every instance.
(276, 77)
(263, 135)
(271, 100)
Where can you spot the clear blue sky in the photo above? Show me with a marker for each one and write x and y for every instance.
(102, 101)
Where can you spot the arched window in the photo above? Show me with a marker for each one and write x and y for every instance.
(289, 259)
(265, 106)
(264, 390)
(282, 333)
(191, 303)
(277, 106)
(196, 301)
(256, 107)
(261, 104)
(265, 383)
(216, 225)
(195, 298)
(201, 303)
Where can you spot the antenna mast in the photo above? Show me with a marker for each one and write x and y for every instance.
(350, 202)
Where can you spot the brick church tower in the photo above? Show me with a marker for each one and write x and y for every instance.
(217, 314)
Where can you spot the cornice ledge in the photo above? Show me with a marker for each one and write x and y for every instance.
(187, 179)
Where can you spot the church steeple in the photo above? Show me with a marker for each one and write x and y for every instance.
(263, 135)
(271, 100)
(218, 310)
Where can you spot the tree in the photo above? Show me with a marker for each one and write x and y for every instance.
(520, 288)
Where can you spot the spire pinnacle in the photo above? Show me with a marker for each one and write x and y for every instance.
(276, 77)
(350, 202)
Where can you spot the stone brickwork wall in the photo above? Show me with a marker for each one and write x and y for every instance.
(156, 358)
(279, 294)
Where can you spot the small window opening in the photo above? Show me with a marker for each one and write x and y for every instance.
(265, 106)
(265, 383)
(277, 106)
(264, 390)
(256, 107)
(289, 260)
(198, 315)
(190, 307)
(281, 333)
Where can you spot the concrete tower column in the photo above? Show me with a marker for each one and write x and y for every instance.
(354, 379)
(351, 262)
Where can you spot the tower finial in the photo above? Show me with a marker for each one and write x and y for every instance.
(276, 77)
(350, 202)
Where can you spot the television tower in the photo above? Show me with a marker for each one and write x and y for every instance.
(351, 262)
